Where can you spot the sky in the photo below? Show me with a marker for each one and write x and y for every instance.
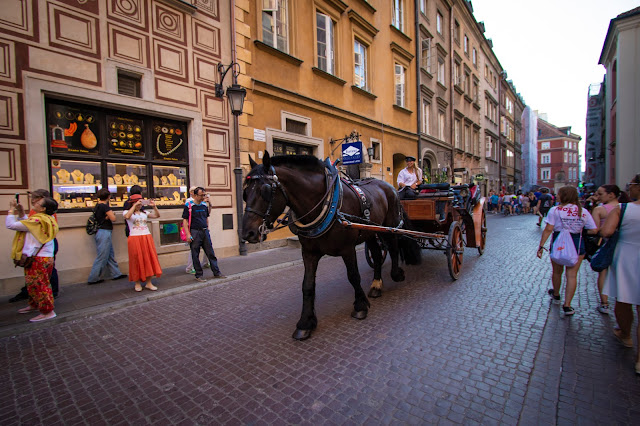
(550, 50)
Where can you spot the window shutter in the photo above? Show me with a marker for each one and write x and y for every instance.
(128, 85)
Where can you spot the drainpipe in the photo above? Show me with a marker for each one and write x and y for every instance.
(500, 132)
(452, 92)
(418, 79)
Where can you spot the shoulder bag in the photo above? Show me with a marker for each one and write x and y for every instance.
(92, 225)
(563, 250)
(26, 261)
(183, 232)
(604, 256)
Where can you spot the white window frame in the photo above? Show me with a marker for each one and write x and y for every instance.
(400, 75)
(426, 57)
(426, 107)
(566, 160)
(441, 71)
(423, 6)
(442, 121)
(326, 25)
(456, 133)
(474, 57)
(278, 26)
(360, 65)
(397, 17)
(545, 158)
(545, 173)
(439, 18)
(488, 146)
(545, 145)
(466, 44)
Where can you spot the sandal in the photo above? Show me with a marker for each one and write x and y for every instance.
(627, 342)
(27, 310)
(138, 287)
(151, 287)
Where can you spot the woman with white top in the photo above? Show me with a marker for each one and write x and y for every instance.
(143, 259)
(623, 279)
(569, 215)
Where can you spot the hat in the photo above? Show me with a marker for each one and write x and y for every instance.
(135, 197)
(192, 189)
(410, 158)
(39, 193)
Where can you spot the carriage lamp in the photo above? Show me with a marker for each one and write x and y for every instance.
(235, 92)
(371, 151)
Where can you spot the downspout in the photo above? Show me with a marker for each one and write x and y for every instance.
(500, 132)
(452, 92)
(418, 80)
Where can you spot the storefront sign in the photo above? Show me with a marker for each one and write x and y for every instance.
(72, 130)
(259, 135)
(125, 136)
(169, 141)
(352, 153)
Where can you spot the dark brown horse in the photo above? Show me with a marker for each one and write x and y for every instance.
(315, 194)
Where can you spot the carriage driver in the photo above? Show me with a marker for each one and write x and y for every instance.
(408, 179)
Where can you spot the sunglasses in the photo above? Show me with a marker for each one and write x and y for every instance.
(628, 187)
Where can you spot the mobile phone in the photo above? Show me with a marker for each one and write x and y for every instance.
(145, 202)
(18, 198)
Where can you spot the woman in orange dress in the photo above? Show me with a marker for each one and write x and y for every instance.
(143, 259)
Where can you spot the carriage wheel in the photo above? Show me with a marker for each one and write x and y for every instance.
(455, 251)
(367, 252)
(483, 234)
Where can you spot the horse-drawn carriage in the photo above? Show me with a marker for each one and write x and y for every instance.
(447, 218)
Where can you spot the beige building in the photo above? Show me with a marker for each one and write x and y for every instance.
(115, 93)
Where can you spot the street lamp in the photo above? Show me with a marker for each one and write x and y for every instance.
(235, 92)
(235, 95)
(371, 151)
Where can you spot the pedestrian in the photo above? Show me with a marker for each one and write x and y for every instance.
(494, 202)
(408, 179)
(533, 203)
(143, 259)
(203, 260)
(198, 232)
(526, 203)
(569, 215)
(35, 239)
(135, 189)
(608, 196)
(105, 262)
(507, 203)
(34, 197)
(545, 202)
(624, 273)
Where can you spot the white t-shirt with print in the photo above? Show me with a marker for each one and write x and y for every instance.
(566, 217)
(138, 224)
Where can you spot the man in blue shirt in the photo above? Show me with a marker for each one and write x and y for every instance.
(198, 233)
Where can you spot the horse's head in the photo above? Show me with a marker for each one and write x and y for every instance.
(265, 200)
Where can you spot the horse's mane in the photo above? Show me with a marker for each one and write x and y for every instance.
(301, 162)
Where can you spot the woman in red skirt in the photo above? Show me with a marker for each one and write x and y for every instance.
(143, 259)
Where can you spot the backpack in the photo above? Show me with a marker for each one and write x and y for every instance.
(92, 225)
(563, 251)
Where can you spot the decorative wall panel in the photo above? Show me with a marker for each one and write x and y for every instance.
(7, 61)
(65, 66)
(205, 71)
(214, 109)
(221, 200)
(73, 31)
(91, 6)
(10, 108)
(206, 38)
(13, 173)
(218, 176)
(177, 93)
(169, 23)
(128, 45)
(170, 61)
(18, 17)
(216, 142)
(129, 12)
(209, 7)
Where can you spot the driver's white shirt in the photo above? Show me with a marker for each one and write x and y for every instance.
(409, 178)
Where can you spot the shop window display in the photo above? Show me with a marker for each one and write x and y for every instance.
(169, 184)
(75, 183)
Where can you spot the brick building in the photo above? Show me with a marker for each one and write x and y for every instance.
(558, 159)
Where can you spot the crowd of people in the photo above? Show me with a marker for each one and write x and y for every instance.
(35, 245)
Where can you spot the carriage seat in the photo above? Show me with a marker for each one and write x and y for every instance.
(434, 186)
(427, 190)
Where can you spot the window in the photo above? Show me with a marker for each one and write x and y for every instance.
(426, 54)
(360, 65)
(545, 174)
(565, 157)
(456, 134)
(467, 83)
(474, 57)
(466, 45)
(510, 158)
(377, 150)
(439, 23)
(423, 6)
(575, 157)
(566, 144)
(474, 94)
(456, 74)
(487, 141)
(467, 138)
(476, 142)
(325, 43)
(441, 71)
(398, 17)
(441, 124)
(456, 32)
(545, 158)
(129, 84)
(545, 145)
(289, 148)
(274, 27)
(425, 116)
(400, 84)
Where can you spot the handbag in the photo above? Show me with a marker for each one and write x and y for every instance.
(92, 225)
(604, 256)
(591, 244)
(183, 232)
(26, 261)
(563, 250)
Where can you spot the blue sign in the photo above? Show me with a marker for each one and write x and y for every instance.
(352, 153)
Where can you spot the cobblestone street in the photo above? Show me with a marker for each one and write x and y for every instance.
(486, 349)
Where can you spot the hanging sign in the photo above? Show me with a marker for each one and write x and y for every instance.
(72, 130)
(169, 141)
(125, 136)
(352, 153)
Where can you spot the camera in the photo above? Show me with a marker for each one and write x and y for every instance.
(145, 202)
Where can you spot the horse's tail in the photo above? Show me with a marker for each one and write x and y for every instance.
(410, 251)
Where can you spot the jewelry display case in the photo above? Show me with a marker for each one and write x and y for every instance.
(75, 183)
(121, 177)
(169, 185)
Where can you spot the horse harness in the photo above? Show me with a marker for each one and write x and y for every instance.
(267, 192)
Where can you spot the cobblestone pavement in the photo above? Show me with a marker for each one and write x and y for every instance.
(486, 349)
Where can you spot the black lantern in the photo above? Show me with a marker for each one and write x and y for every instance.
(371, 151)
(235, 92)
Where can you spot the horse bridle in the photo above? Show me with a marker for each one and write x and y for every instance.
(267, 192)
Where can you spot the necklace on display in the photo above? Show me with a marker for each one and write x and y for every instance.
(164, 154)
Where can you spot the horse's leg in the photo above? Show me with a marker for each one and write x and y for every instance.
(308, 321)
(360, 304)
(397, 274)
(376, 256)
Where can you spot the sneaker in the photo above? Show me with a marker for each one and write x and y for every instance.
(556, 299)
(604, 309)
(190, 271)
(200, 279)
(568, 310)
(219, 276)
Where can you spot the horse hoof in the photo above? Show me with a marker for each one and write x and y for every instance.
(301, 334)
(375, 293)
(360, 315)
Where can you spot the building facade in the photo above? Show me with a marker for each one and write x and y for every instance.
(529, 149)
(557, 156)
(115, 93)
(595, 146)
(621, 58)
